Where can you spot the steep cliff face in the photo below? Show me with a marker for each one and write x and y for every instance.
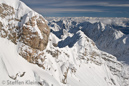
(68, 57)
(35, 32)
(23, 26)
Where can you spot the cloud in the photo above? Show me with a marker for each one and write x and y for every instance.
(90, 4)
(36, 2)
(64, 3)
(116, 5)
(74, 7)
(60, 10)
(79, 4)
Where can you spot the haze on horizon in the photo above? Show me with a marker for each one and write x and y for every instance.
(79, 8)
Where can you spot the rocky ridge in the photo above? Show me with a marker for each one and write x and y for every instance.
(68, 57)
(26, 29)
(109, 34)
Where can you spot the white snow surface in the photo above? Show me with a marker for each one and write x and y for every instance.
(75, 61)
(87, 72)
(22, 12)
(13, 65)
(110, 34)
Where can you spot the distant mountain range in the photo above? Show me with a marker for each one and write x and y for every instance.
(109, 34)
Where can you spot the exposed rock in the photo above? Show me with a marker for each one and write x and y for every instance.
(1, 10)
(25, 32)
(1, 25)
(32, 38)
(32, 33)
(4, 33)
(65, 76)
(6, 10)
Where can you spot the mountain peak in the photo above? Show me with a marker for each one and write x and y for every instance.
(23, 25)
(70, 56)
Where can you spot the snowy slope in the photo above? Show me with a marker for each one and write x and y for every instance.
(83, 64)
(81, 72)
(66, 57)
(14, 67)
(109, 34)
(19, 23)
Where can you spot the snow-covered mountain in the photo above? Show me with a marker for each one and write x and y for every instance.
(32, 55)
(100, 30)
(109, 34)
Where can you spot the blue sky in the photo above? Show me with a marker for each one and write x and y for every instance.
(78, 8)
